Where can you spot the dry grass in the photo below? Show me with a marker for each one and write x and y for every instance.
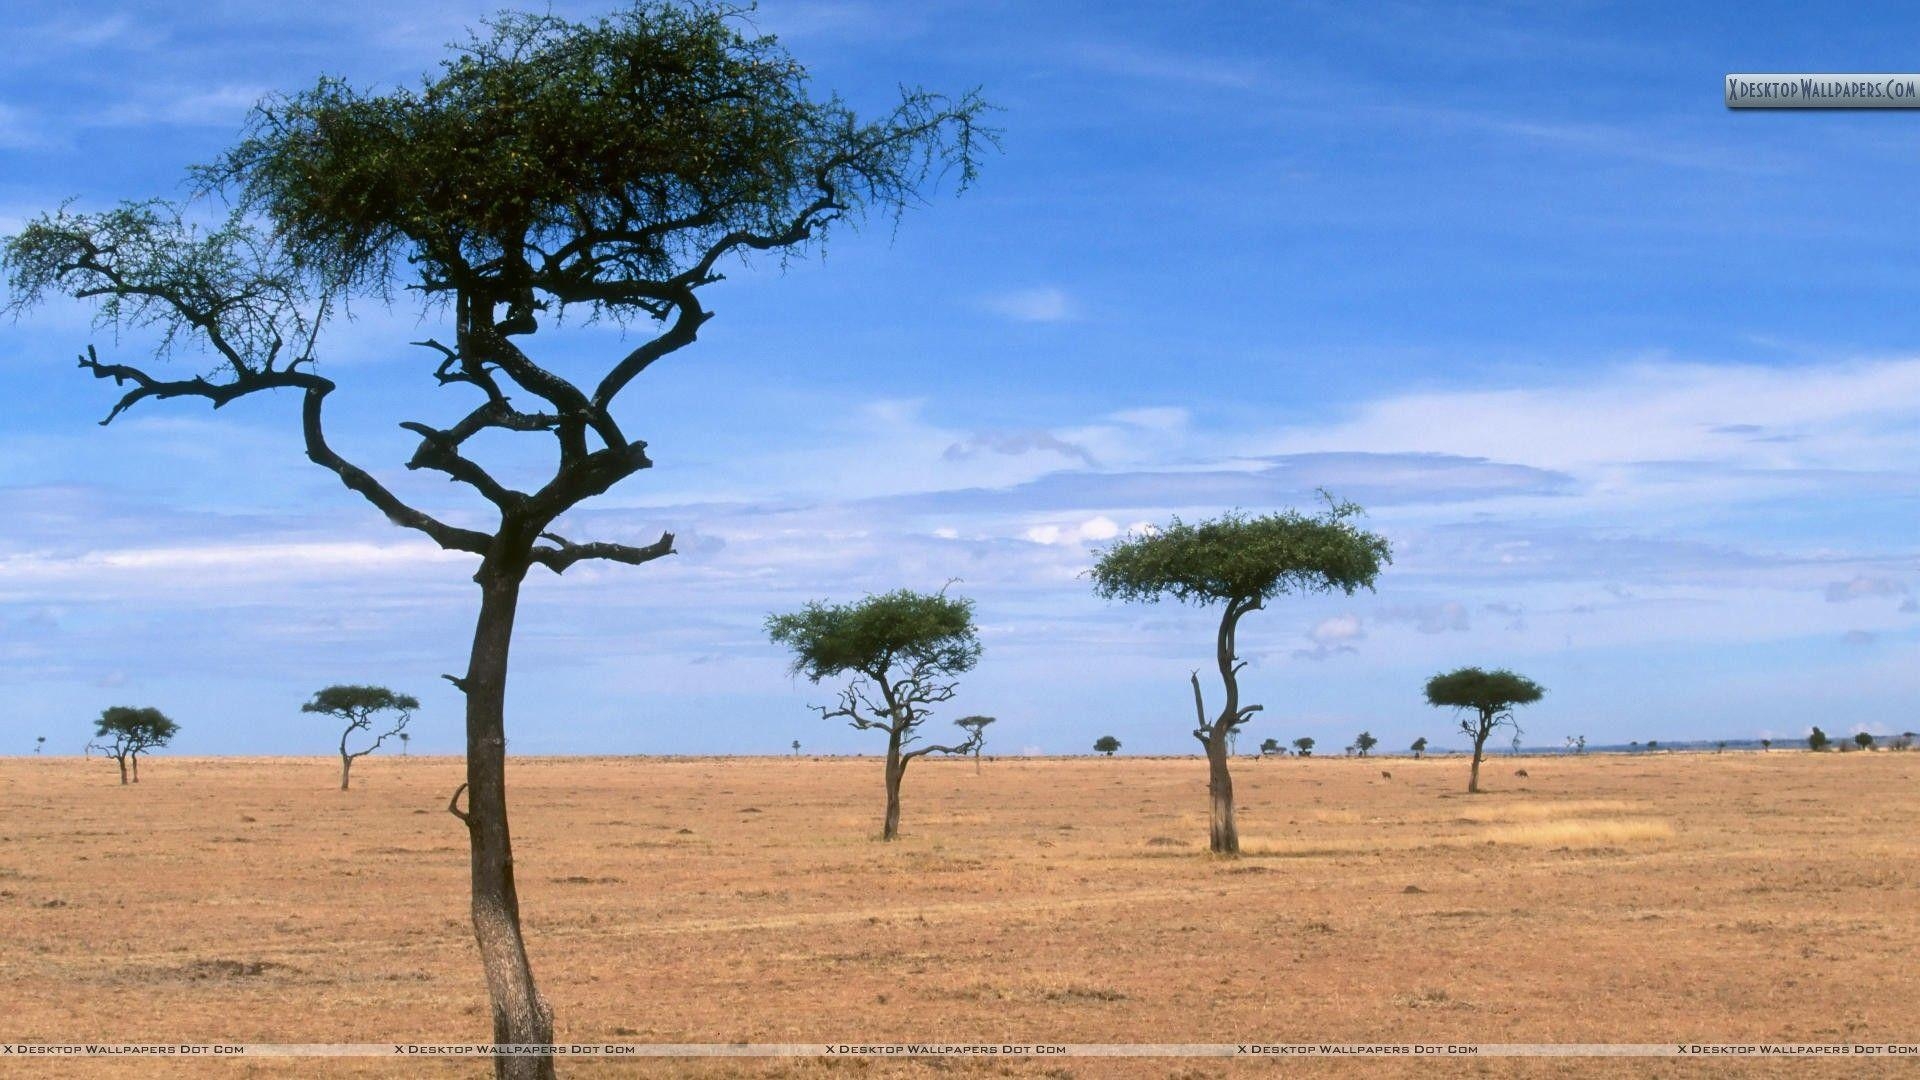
(1735, 896)
(1582, 833)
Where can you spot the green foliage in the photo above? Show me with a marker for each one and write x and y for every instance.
(1419, 746)
(1817, 740)
(1236, 557)
(1106, 744)
(359, 703)
(976, 729)
(1365, 742)
(663, 129)
(1303, 746)
(1270, 746)
(930, 632)
(135, 729)
(224, 283)
(1486, 692)
(1862, 740)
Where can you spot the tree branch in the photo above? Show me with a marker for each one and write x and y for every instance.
(564, 553)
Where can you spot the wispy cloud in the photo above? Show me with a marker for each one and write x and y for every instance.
(1041, 304)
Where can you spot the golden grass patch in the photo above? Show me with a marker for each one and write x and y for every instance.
(1581, 833)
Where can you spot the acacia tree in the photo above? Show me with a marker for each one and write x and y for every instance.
(1303, 746)
(1817, 739)
(1365, 742)
(606, 169)
(905, 651)
(359, 706)
(1485, 700)
(1270, 747)
(1106, 744)
(123, 733)
(1242, 563)
(1419, 747)
(976, 729)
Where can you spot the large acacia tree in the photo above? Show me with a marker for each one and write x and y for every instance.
(1484, 700)
(607, 170)
(1241, 563)
(905, 651)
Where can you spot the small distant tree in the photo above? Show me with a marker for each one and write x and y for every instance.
(1270, 747)
(1817, 740)
(39, 742)
(1766, 744)
(124, 733)
(796, 748)
(405, 739)
(1106, 744)
(905, 651)
(976, 729)
(1419, 747)
(1484, 701)
(1303, 746)
(1653, 744)
(1904, 742)
(1863, 740)
(1365, 742)
(363, 708)
(1720, 746)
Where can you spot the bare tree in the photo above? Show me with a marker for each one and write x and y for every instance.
(360, 707)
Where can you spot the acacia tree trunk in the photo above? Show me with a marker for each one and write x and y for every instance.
(346, 765)
(896, 767)
(1223, 836)
(122, 758)
(520, 1014)
(136, 766)
(1479, 750)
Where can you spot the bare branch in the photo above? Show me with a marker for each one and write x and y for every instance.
(564, 553)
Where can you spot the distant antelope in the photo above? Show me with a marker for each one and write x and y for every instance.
(1520, 772)
(1385, 775)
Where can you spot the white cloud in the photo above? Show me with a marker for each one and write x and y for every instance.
(1045, 304)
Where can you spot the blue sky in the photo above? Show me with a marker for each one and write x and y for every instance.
(1632, 383)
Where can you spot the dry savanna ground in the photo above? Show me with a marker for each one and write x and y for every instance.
(1660, 897)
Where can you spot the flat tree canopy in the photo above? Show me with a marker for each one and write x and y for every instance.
(1248, 559)
(135, 728)
(359, 702)
(1485, 692)
(930, 632)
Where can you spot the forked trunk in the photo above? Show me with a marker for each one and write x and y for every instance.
(1223, 837)
(520, 1014)
(896, 766)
